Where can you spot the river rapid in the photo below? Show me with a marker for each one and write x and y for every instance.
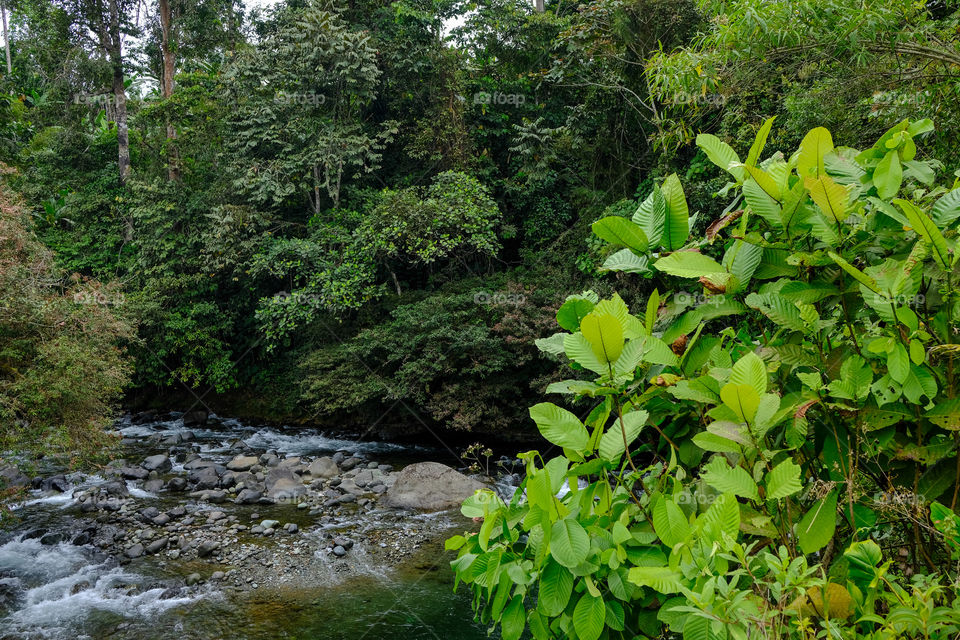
(124, 554)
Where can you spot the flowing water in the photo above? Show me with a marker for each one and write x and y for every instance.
(54, 585)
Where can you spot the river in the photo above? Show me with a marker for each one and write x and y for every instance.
(60, 580)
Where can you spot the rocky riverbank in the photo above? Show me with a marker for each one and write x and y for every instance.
(201, 510)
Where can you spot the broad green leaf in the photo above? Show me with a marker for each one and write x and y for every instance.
(688, 264)
(559, 426)
(779, 310)
(946, 414)
(888, 176)
(721, 154)
(669, 522)
(651, 217)
(569, 543)
(579, 349)
(766, 183)
(926, 229)
(621, 232)
(611, 444)
(783, 480)
(676, 222)
(742, 260)
(832, 198)
(818, 525)
(653, 306)
(514, 619)
(724, 513)
(660, 579)
(742, 399)
(588, 617)
(947, 209)
(626, 261)
(762, 204)
(556, 585)
(751, 371)
(554, 345)
(898, 363)
(715, 443)
(726, 479)
(605, 335)
(572, 311)
(815, 145)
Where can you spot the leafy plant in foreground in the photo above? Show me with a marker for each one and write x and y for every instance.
(740, 446)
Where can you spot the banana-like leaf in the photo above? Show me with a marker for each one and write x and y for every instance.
(759, 142)
(677, 220)
(626, 261)
(605, 335)
(688, 264)
(947, 209)
(832, 198)
(888, 176)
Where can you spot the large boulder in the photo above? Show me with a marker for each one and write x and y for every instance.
(323, 467)
(430, 486)
(195, 417)
(282, 485)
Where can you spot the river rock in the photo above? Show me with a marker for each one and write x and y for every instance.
(430, 486)
(153, 485)
(177, 484)
(349, 463)
(196, 417)
(248, 496)
(283, 486)
(56, 483)
(242, 463)
(159, 462)
(204, 478)
(11, 476)
(157, 545)
(134, 551)
(207, 547)
(323, 467)
(339, 551)
(134, 473)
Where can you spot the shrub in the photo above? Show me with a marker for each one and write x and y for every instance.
(736, 450)
(61, 363)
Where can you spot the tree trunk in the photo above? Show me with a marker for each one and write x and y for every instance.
(538, 4)
(6, 37)
(169, 68)
(115, 53)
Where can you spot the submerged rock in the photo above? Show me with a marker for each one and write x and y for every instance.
(430, 486)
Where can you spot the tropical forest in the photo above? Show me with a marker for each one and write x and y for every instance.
(466, 319)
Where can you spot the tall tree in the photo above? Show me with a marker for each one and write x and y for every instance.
(169, 69)
(108, 21)
(6, 36)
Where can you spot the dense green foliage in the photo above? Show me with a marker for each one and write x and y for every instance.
(746, 439)
(61, 360)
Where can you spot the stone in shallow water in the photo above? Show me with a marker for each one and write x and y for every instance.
(207, 547)
(134, 551)
(339, 551)
(430, 486)
(159, 462)
(269, 524)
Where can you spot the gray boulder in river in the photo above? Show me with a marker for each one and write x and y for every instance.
(430, 486)
(283, 486)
